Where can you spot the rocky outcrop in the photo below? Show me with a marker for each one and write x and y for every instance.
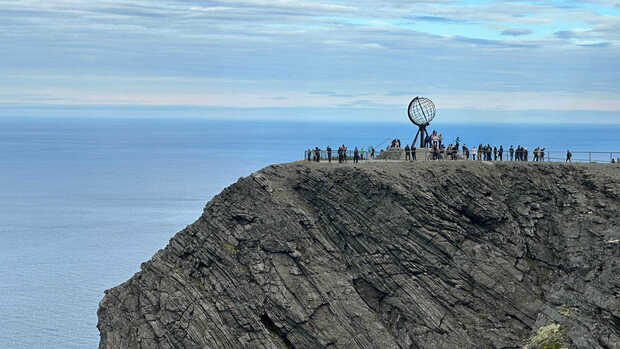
(386, 255)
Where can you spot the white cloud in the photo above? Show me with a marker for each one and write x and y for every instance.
(285, 46)
(444, 99)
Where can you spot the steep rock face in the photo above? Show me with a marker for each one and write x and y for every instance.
(386, 255)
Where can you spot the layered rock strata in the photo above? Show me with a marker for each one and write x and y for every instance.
(386, 255)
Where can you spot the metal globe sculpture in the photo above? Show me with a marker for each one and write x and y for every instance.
(421, 112)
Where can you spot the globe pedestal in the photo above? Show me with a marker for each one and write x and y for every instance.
(423, 134)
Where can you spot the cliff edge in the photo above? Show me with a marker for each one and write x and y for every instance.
(386, 255)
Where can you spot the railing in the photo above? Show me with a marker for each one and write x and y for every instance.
(549, 155)
(582, 156)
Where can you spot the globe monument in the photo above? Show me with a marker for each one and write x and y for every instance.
(421, 112)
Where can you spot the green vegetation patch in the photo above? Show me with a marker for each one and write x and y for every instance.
(551, 345)
(552, 336)
(230, 248)
(567, 310)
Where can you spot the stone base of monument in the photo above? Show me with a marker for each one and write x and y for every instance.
(391, 154)
(399, 154)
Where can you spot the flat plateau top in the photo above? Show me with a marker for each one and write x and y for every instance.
(395, 166)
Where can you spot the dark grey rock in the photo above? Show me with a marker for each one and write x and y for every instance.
(386, 255)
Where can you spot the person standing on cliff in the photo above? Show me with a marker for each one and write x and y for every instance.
(500, 152)
(539, 155)
(356, 155)
(329, 154)
(407, 152)
(413, 151)
(511, 150)
(569, 155)
(494, 153)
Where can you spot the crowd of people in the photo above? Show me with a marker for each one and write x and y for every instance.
(343, 154)
(488, 153)
(438, 151)
(435, 149)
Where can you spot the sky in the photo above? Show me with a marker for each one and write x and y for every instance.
(364, 60)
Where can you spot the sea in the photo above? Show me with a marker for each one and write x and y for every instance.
(84, 201)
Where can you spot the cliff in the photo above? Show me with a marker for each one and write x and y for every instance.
(386, 255)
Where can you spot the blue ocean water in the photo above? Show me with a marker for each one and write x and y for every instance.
(84, 201)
